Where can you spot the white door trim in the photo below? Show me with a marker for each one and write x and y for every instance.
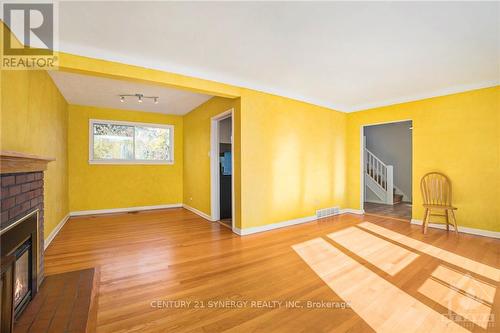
(362, 156)
(214, 165)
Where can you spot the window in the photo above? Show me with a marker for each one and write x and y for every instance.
(116, 142)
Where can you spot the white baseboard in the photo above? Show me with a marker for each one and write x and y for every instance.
(242, 232)
(465, 230)
(267, 227)
(54, 232)
(199, 213)
(300, 220)
(122, 210)
(352, 211)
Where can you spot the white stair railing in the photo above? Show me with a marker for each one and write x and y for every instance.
(381, 175)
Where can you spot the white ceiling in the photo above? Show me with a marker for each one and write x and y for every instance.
(344, 55)
(101, 92)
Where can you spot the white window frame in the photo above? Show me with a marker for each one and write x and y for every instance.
(127, 123)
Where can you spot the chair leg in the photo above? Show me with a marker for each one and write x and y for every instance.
(423, 220)
(454, 220)
(447, 215)
(426, 220)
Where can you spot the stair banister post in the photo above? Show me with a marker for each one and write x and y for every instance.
(390, 185)
(365, 160)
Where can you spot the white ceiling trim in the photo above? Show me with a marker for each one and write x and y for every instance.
(120, 58)
(346, 56)
(443, 92)
(105, 55)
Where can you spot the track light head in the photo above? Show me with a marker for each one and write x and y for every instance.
(140, 98)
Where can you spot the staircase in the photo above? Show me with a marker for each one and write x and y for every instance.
(379, 178)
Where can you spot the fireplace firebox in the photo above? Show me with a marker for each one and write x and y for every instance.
(20, 241)
(22, 277)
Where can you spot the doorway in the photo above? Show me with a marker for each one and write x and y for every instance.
(221, 161)
(386, 169)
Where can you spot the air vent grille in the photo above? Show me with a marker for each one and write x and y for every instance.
(325, 212)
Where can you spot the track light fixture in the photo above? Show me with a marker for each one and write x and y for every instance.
(140, 98)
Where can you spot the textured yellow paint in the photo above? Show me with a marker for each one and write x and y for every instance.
(102, 68)
(264, 126)
(104, 186)
(197, 148)
(293, 159)
(34, 119)
(458, 135)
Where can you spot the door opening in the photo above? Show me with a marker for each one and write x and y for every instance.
(386, 169)
(222, 157)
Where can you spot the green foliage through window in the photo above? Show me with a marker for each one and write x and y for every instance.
(129, 142)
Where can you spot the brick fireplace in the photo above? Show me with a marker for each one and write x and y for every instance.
(21, 231)
(21, 195)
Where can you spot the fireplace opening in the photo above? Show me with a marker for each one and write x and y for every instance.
(23, 277)
(19, 243)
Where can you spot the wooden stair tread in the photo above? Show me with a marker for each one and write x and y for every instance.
(397, 198)
(65, 303)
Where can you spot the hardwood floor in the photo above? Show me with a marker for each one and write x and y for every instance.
(400, 210)
(393, 278)
(227, 223)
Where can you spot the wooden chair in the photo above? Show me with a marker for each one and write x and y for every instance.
(436, 193)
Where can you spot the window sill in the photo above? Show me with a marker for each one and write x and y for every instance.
(115, 162)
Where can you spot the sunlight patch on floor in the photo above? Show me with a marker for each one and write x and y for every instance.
(379, 303)
(449, 257)
(466, 282)
(461, 293)
(387, 256)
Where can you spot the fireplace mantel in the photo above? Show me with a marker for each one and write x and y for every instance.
(14, 162)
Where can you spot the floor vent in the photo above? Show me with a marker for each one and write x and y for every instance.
(327, 212)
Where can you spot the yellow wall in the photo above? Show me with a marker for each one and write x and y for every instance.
(292, 162)
(261, 129)
(103, 186)
(293, 159)
(196, 149)
(458, 135)
(102, 68)
(34, 120)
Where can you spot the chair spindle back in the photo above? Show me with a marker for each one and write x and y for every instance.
(436, 189)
